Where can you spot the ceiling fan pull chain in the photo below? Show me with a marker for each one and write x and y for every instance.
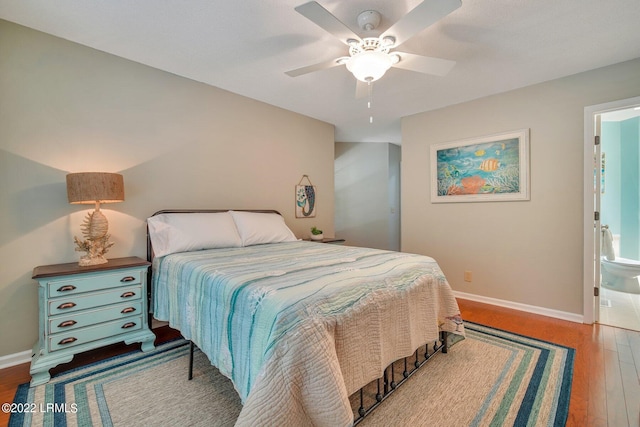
(370, 101)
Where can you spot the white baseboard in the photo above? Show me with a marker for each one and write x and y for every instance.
(571, 317)
(15, 359)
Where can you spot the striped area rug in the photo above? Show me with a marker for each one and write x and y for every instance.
(491, 378)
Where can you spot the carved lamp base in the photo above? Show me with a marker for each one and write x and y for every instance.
(95, 230)
(87, 260)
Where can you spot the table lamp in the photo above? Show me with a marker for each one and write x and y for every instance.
(94, 188)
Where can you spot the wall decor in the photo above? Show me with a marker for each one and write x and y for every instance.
(483, 169)
(305, 199)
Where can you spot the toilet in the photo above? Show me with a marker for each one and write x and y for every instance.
(621, 275)
(618, 274)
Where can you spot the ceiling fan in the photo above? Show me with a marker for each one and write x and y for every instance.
(370, 57)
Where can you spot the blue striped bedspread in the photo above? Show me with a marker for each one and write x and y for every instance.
(290, 318)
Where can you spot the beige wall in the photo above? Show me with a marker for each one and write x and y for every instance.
(527, 252)
(178, 143)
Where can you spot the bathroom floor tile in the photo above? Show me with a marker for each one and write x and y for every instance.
(619, 309)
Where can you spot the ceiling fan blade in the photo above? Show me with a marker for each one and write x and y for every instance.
(315, 67)
(420, 17)
(325, 20)
(423, 64)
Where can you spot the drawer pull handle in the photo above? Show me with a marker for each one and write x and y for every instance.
(128, 310)
(66, 288)
(128, 325)
(66, 305)
(128, 295)
(68, 340)
(67, 323)
(127, 279)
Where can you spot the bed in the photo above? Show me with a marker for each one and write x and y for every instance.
(297, 326)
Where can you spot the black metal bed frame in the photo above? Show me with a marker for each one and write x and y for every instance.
(388, 379)
(384, 386)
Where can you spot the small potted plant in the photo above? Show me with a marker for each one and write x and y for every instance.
(316, 234)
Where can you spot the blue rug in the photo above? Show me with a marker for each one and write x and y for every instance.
(492, 377)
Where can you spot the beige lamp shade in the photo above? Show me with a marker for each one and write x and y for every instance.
(92, 187)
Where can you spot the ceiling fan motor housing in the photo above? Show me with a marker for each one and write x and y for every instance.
(368, 44)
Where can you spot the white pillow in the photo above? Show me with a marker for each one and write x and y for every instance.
(257, 228)
(182, 232)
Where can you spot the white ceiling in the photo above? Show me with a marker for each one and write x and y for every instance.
(245, 46)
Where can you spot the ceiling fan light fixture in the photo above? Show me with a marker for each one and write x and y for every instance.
(369, 66)
(388, 41)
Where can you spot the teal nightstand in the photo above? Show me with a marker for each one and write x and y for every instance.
(82, 308)
(332, 240)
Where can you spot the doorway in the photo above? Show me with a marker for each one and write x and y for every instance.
(602, 191)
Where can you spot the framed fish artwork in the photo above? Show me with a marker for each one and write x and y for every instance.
(484, 169)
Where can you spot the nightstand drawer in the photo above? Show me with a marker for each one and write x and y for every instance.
(92, 333)
(75, 285)
(95, 299)
(71, 321)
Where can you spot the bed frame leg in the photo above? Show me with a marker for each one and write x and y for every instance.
(445, 345)
(191, 349)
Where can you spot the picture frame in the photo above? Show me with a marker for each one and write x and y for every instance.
(305, 198)
(484, 169)
(305, 201)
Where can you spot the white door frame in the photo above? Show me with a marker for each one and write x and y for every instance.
(591, 245)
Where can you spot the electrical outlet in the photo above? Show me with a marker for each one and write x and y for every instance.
(467, 276)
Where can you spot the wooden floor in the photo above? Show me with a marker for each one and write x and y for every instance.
(606, 378)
